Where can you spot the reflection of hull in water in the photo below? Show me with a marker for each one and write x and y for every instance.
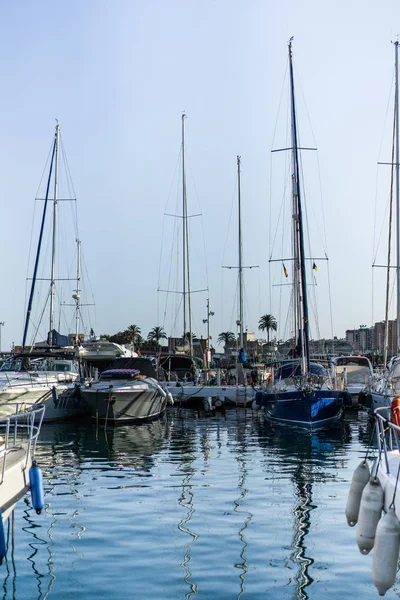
(309, 449)
(74, 442)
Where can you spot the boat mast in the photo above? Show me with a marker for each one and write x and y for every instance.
(35, 270)
(185, 251)
(299, 233)
(397, 159)
(77, 295)
(240, 259)
(184, 212)
(53, 253)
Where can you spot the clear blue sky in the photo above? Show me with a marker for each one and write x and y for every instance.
(118, 74)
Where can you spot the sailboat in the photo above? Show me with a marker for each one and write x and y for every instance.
(189, 389)
(305, 399)
(386, 389)
(45, 374)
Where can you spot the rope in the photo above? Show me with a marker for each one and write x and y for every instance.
(395, 488)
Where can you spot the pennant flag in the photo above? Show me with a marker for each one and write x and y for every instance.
(285, 270)
(315, 267)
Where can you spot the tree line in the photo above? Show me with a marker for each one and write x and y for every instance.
(266, 323)
(133, 334)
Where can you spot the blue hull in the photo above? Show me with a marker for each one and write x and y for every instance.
(314, 409)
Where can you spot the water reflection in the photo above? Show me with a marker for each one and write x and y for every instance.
(200, 484)
(201, 434)
(66, 453)
(309, 456)
(243, 566)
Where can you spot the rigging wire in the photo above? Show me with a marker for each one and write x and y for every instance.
(388, 207)
(160, 264)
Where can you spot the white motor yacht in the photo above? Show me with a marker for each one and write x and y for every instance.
(127, 391)
(49, 378)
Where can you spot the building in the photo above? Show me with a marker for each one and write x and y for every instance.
(378, 338)
(360, 339)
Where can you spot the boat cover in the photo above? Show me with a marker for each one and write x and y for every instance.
(119, 373)
(144, 365)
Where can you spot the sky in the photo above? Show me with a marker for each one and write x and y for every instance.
(117, 76)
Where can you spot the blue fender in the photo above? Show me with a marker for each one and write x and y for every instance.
(36, 483)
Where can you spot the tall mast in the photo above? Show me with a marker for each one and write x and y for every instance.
(184, 219)
(240, 259)
(53, 253)
(35, 270)
(77, 295)
(299, 234)
(396, 45)
(187, 306)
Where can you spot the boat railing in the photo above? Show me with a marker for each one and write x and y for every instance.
(20, 429)
(387, 434)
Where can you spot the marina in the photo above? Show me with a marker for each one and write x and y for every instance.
(200, 309)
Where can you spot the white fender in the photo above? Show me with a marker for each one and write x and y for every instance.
(360, 479)
(370, 512)
(386, 551)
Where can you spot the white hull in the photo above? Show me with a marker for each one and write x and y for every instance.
(125, 401)
(16, 480)
(103, 350)
(387, 463)
(60, 402)
(18, 441)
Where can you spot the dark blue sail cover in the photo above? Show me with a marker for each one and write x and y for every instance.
(59, 340)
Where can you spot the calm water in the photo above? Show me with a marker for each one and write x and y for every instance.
(193, 505)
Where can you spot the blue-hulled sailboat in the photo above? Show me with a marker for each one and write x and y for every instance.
(303, 398)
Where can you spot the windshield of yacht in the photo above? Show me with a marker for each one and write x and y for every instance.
(12, 364)
(59, 366)
(352, 361)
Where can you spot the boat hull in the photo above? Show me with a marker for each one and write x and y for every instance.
(302, 408)
(16, 482)
(124, 406)
(189, 395)
(18, 435)
(61, 402)
(375, 400)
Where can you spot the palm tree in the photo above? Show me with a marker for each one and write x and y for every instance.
(267, 322)
(227, 338)
(187, 335)
(139, 340)
(157, 334)
(133, 332)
